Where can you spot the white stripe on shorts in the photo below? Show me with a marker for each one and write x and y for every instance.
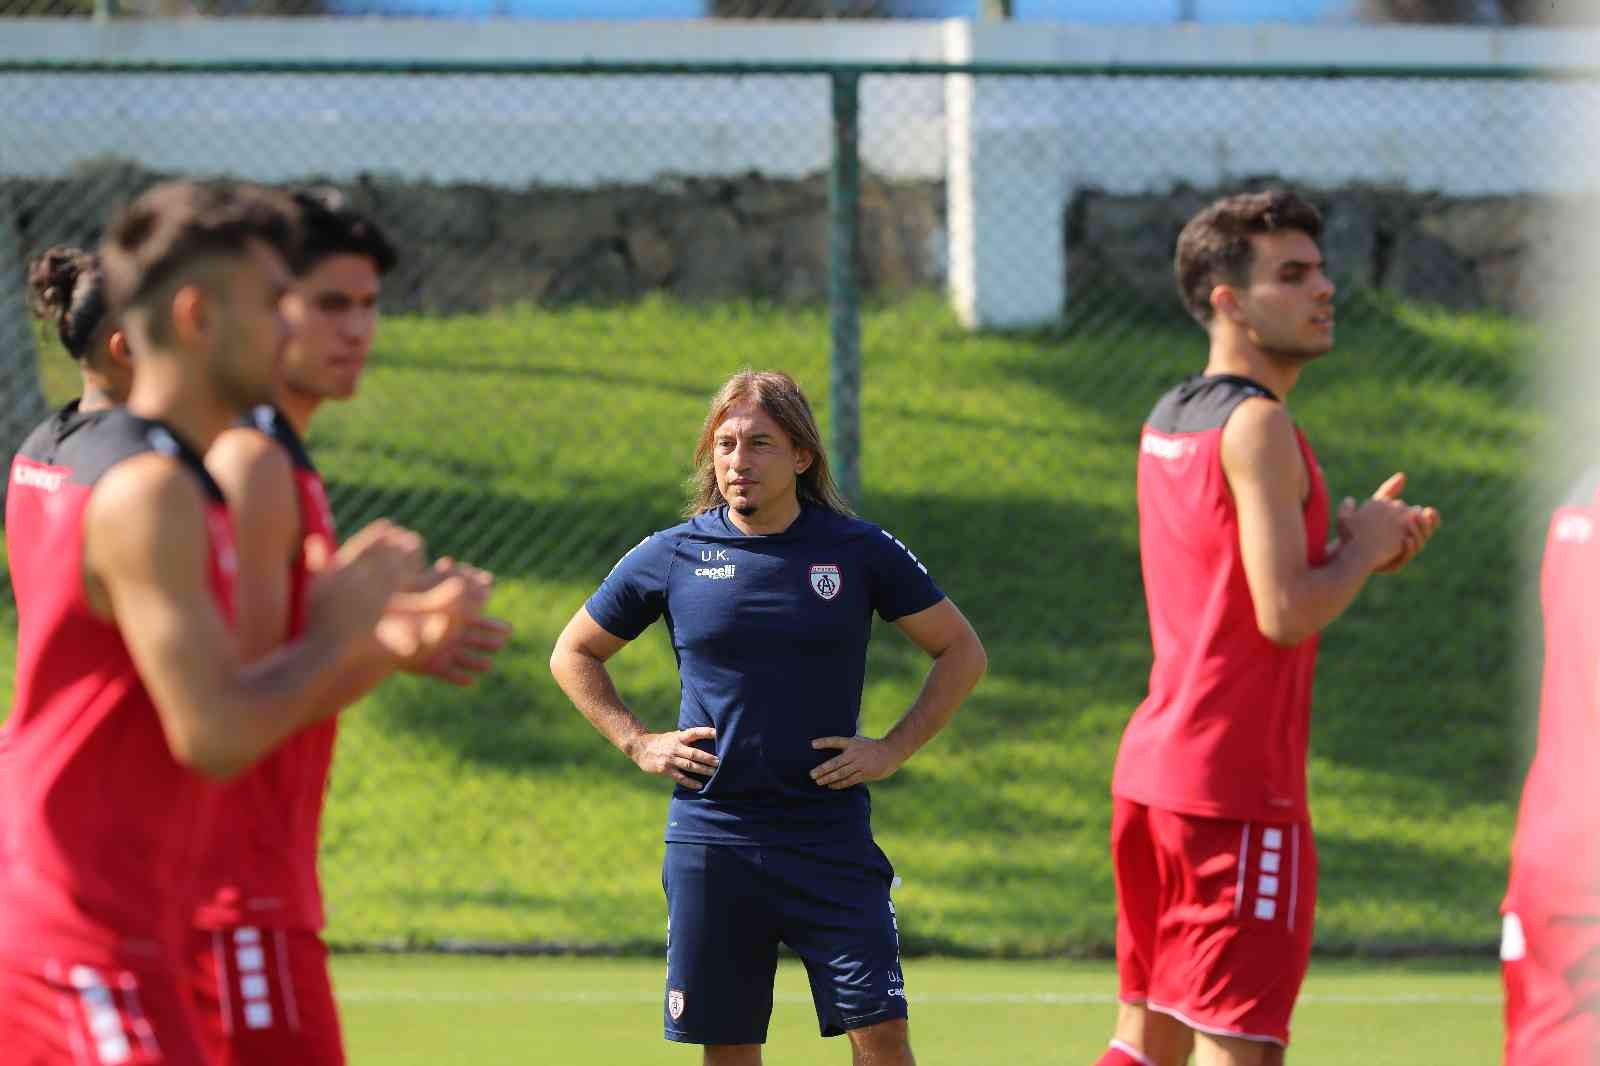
(225, 1003)
(1294, 872)
(141, 1024)
(1244, 861)
(69, 1018)
(288, 983)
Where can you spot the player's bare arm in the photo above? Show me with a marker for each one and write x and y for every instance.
(146, 556)
(257, 478)
(1266, 474)
(579, 667)
(959, 662)
(436, 628)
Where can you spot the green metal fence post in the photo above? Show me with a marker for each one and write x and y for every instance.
(844, 295)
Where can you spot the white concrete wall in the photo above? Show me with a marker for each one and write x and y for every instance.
(1014, 149)
(1020, 148)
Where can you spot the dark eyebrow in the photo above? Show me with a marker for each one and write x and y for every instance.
(1301, 264)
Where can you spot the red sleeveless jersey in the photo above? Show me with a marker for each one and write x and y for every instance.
(102, 825)
(261, 866)
(1556, 849)
(1223, 732)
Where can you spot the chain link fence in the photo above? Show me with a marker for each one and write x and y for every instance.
(586, 256)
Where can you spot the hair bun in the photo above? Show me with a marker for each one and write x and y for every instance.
(53, 276)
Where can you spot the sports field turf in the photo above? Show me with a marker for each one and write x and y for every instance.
(545, 444)
(411, 1011)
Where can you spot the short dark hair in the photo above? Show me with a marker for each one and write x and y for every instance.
(1214, 247)
(330, 226)
(66, 286)
(177, 225)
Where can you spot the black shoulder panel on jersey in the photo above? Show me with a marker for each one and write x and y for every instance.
(40, 445)
(1586, 491)
(1200, 403)
(94, 443)
(271, 421)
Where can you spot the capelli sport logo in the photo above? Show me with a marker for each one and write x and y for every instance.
(715, 573)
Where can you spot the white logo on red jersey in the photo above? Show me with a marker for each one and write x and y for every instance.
(37, 477)
(1169, 448)
(1578, 528)
(826, 580)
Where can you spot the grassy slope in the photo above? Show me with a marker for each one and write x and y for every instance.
(544, 445)
(489, 1012)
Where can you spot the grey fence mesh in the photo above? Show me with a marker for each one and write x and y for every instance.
(586, 257)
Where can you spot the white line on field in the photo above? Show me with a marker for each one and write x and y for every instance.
(1048, 999)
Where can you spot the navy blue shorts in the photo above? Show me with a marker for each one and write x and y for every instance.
(729, 906)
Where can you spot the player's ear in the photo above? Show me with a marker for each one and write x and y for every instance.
(1225, 302)
(802, 461)
(117, 346)
(191, 315)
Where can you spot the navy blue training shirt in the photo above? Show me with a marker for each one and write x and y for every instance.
(770, 633)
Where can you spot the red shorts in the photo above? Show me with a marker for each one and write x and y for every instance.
(263, 997)
(1214, 918)
(68, 1014)
(1551, 967)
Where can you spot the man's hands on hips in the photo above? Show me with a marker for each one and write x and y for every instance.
(673, 755)
(860, 759)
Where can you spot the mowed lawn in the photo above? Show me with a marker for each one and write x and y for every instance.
(401, 1011)
(545, 444)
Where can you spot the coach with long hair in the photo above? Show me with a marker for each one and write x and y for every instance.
(768, 590)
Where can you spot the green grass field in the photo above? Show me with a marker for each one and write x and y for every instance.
(545, 444)
(408, 1010)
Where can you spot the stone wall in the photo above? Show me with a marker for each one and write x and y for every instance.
(472, 247)
(1500, 252)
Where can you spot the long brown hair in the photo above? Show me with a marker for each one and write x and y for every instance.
(780, 396)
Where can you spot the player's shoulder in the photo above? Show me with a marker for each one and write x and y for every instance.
(1585, 491)
(116, 442)
(1258, 427)
(144, 497)
(1203, 402)
(43, 441)
(247, 456)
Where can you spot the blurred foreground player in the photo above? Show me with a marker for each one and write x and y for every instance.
(1211, 835)
(769, 591)
(1550, 948)
(258, 967)
(130, 691)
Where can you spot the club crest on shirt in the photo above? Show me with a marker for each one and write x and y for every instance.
(675, 1003)
(826, 580)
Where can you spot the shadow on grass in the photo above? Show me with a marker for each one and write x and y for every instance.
(1454, 898)
(1420, 676)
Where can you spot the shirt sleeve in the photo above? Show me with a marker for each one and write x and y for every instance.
(900, 582)
(634, 594)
